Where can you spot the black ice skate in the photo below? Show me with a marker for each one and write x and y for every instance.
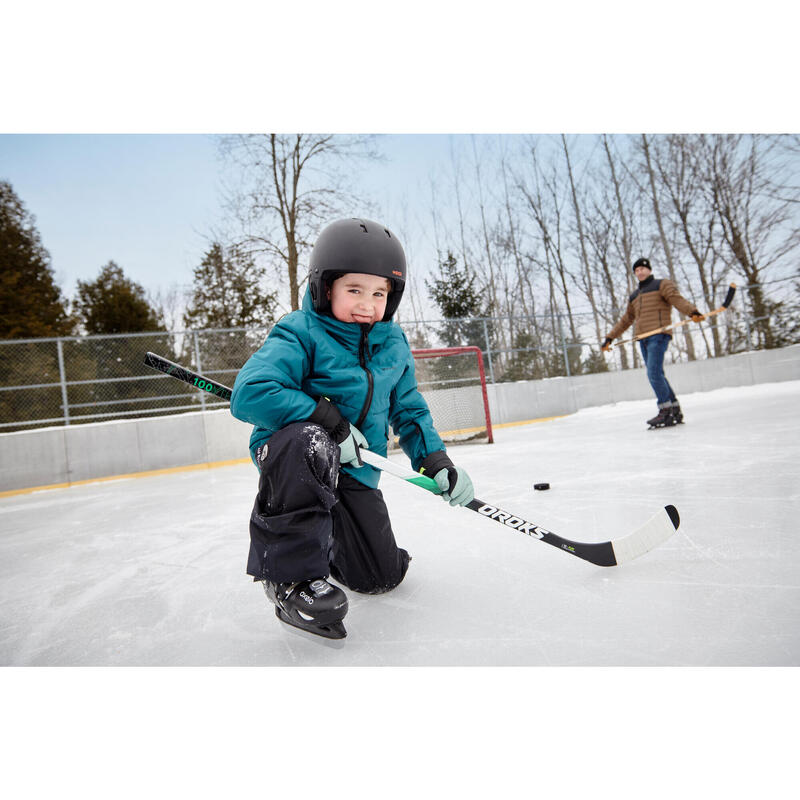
(677, 414)
(313, 605)
(663, 419)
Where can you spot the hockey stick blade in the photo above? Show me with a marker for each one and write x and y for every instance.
(605, 554)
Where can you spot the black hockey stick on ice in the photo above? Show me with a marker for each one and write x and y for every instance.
(605, 554)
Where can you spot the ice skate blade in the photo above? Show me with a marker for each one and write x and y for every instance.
(332, 635)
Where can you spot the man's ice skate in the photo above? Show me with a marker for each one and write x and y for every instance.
(663, 419)
(312, 605)
(677, 414)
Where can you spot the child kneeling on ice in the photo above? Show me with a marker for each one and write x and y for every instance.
(328, 380)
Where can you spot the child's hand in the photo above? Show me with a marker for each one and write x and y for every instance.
(454, 482)
(344, 433)
(349, 449)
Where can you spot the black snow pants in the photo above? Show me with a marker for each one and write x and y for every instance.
(307, 524)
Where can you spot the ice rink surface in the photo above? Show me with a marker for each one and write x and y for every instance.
(151, 570)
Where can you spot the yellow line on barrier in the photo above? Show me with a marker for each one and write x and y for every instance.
(529, 421)
(212, 464)
(147, 474)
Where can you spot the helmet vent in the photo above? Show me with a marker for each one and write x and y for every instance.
(364, 227)
(387, 233)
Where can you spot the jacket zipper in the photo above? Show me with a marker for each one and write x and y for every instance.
(362, 359)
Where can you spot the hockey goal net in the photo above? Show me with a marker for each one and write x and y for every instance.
(453, 382)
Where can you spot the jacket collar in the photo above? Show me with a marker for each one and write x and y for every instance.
(646, 281)
(347, 333)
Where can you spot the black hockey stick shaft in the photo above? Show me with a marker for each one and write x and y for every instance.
(187, 376)
(603, 554)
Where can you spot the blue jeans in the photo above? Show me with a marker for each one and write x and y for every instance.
(653, 350)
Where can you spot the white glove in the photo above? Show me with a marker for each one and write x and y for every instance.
(454, 482)
(349, 449)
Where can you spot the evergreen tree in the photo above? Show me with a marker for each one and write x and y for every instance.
(593, 363)
(228, 292)
(453, 290)
(114, 304)
(30, 302)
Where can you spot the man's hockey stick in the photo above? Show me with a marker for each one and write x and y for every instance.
(605, 554)
(725, 303)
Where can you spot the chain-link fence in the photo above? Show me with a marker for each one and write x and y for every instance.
(71, 380)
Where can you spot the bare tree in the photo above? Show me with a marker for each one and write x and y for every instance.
(169, 304)
(759, 226)
(287, 187)
(665, 244)
(620, 227)
(600, 222)
(455, 166)
(587, 271)
(544, 206)
(524, 297)
(679, 160)
(626, 244)
(491, 272)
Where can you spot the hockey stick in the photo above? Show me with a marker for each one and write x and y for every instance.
(605, 554)
(187, 376)
(725, 303)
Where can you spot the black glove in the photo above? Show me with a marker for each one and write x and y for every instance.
(606, 346)
(347, 436)
(329, 417)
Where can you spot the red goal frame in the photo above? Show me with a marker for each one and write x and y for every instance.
(453, 351)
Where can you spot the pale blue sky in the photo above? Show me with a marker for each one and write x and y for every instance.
(152, 202)
(149, 202)
(143, 201)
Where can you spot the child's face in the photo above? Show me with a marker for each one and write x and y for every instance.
(359, 298)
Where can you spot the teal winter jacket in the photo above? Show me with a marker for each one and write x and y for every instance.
(367, 373)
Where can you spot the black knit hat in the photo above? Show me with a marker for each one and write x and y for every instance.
(642, 262)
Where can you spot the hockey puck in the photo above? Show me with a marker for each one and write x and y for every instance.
(541, 486)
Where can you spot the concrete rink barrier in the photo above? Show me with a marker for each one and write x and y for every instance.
(65, 455)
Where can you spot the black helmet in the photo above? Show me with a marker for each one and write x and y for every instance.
(642, 262)
(357, 245)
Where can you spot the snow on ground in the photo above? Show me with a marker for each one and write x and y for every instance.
(150, 571)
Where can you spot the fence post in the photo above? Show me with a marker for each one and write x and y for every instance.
(746, 320)
(563, 345)
(63, 378)
(488, 350)
(199, 366)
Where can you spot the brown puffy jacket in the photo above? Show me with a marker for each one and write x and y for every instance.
(650, 306)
